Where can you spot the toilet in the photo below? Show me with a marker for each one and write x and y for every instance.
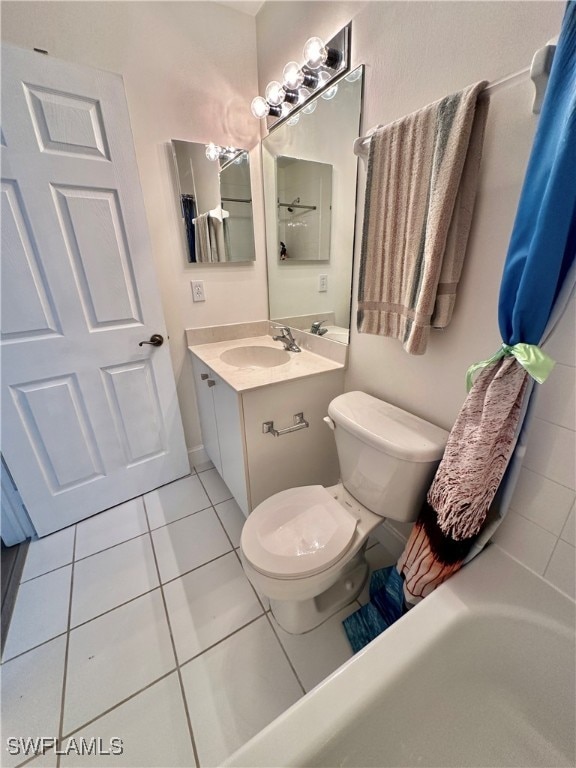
(303, 548)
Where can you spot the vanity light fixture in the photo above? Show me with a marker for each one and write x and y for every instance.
(322, 63)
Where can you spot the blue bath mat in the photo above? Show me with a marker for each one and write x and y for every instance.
(385, 607)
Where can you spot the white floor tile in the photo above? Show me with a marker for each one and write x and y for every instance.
(189, 543)
(47, 760)
(114, 656)
(208, 604)
(232, 518)
(235, 689)
(153, 728)
(111, 527)
(112, 577)
(176, 500)
(215, 487)
(31, 697)
(203, 466)
(49, 553)
(40, 613)
(316, 654)
(377, 557)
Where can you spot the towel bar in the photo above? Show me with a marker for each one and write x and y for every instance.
(299, 423)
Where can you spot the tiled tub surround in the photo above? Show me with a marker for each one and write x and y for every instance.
(139, 623)
(539, 527)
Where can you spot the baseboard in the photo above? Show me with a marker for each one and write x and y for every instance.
(197, 457)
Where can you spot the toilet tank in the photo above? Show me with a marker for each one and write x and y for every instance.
(387, 456)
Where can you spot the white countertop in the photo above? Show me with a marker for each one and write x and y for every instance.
(241, 379)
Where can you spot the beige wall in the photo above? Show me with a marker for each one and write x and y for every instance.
(415, 53)
(189, 70)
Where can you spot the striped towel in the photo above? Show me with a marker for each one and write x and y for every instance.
(205, 244)
(420, 190)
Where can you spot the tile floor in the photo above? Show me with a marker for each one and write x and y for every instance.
(139, 624)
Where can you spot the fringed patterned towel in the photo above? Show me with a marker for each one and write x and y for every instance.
(477, 453)
(420, 191)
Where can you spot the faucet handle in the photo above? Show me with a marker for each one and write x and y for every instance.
(284, 328)
(316, 325)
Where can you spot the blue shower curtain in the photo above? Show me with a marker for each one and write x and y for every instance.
(541, 254)
(543, 243)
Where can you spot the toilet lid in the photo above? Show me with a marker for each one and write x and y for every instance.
(297, 533)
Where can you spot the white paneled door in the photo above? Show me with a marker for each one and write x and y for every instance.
(89, 415)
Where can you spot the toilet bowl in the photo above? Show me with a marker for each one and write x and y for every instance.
(304, 547)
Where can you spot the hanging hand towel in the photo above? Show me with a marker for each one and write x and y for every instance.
(420, 190)
(202, 235)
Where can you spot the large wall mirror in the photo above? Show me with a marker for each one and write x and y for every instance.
(310, 204)
(215, 201)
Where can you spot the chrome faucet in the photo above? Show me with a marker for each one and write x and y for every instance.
(316, 329)
(286, 338)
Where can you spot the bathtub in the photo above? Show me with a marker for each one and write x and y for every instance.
(481, 673)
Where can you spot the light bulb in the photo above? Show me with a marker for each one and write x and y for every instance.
(275, 93)
(260, 107)
(315, 53)
(212, 151)
(292, 75)
(294, 120)
(311, 106)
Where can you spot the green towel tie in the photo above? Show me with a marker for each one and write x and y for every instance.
(537, 363)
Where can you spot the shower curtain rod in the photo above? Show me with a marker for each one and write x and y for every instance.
(538, 71)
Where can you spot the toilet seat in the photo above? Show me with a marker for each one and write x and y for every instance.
(297, 533)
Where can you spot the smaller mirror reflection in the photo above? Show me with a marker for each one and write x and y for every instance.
(304, 209)
(215, 203)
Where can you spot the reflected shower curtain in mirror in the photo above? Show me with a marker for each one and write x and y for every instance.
(189, 214)
(541, 255)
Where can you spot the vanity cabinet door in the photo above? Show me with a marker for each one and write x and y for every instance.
(230, 426)
(205, 401)
(220, 410)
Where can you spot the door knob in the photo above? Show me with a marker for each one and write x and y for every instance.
(155, 340)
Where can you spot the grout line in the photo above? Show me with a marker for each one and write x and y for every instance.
(264, 609)
(178, 519)
(34, 647)
(229, 498)
(550, 480)
(543, 574)
(115, 607)
(178, 671)
(222, 639)
(539, 525)
(65, 673)
(196, 568)
(45, 573)
(284, 651)
(118, 704)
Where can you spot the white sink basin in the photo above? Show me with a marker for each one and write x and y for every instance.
(255, 357)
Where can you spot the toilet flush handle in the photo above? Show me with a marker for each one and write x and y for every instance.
(330, 423)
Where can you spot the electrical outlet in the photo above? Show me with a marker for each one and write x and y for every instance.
(198, 290)
(322, 283)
